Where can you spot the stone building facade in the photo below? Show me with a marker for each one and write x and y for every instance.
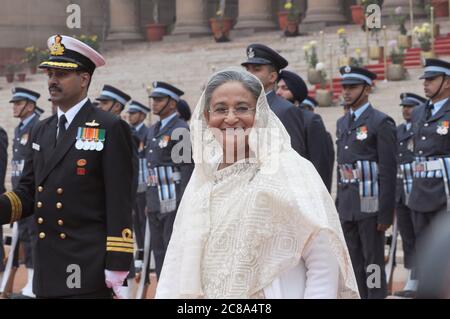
(29, 22)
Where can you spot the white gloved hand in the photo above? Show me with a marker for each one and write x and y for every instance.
(114, 280)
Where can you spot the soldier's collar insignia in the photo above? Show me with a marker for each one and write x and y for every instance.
(57, 48)
(251, 53)
(92, 124)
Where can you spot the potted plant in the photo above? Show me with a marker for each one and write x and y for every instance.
(221, 25)
(423, 35)
(358, 60)
(440, 8)
(21, 76)
(343, 44)
(358, 14)
(324, 96)
(155, 30)
(376, 52)
(292, 19)
(32, 56)
(90, 40)
(10, 71)
(400, 18)
(395, 70)
(310, 51)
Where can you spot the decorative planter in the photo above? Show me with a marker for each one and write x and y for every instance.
(221, 28)
(343, 61)
(404, 41)
(440, 8)
(324, 97)
(376, 53)
(426, 55)
(358, 14)
(314, 76)
(437, 30)
(395, 72)
(282, 20)
(155, 32)
(291, 29)
(21, 77)
(9, 77)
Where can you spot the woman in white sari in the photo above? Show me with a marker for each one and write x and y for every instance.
(258, 223)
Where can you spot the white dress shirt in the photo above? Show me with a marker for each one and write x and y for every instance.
(71, 113)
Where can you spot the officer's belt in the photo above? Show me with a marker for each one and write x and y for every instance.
(365, 174)
(434, 167)
(17, 167)
(405, 172)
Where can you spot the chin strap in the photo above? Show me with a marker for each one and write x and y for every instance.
(359, 96)
(440, 87)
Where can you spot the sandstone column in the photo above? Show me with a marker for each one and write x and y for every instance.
(327, 12)
(255, 14)
(191, 18)
(124, 20)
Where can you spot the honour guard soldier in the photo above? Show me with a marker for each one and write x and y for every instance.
(265, 64)
(310, 104)
(3, 166)
(76, 184)
(405, 173)
(430, 194)
(137, 113)
(366, 158)
(184, 110)
(293, 88)
(39, 111)
(113, 100)
(168, 177)
(24, 108)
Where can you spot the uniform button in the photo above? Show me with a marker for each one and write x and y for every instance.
(17, 139)
(40, 189)
(15, 150)
(423, 138)
(59, 205)
(62, 236)
(42, 235)
(60, 191)
(349, 132)
(401, 143)
(420, 152)
(39, 205)
(60, 222)
(154, 140)
(151, 151)
(40, 220)
(426, 124)
(400, 155)
(346, 147)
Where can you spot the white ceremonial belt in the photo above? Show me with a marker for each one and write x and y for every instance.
(426, 166)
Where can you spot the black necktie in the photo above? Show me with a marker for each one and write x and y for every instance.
(429, 108)
(21, 126)
(352, 119)
(61, 128)
(157, 127)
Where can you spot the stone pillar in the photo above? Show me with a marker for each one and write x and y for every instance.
(124, 20)
(325, 12)
(191, 18)
(389, 7)
(256, 15)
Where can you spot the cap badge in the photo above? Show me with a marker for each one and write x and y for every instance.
(251, 53)
(348, 69)
(57, 48)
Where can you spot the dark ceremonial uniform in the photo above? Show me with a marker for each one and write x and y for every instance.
(366, 158)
